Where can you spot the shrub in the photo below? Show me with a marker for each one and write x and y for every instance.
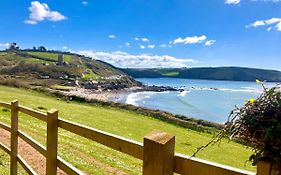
(258, 124)
(5, 110)
(42, 108)
(7, 81)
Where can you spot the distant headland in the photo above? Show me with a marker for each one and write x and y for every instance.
(208, 73)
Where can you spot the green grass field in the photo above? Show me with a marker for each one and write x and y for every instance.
(53, 56)
(90, 75)
(94, 158)
(170, 74)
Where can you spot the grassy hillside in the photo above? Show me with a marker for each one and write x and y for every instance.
(94, 158)
(34, 68)
(209, 73)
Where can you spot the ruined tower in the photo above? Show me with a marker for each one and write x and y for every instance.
(60, 59)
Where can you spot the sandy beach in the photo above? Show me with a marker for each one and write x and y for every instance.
(107, 96)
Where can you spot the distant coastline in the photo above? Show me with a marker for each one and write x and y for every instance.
(208, 73)
(106, 99)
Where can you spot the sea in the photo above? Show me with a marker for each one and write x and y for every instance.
(202, 99)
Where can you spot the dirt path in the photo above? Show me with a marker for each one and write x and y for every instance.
(38, 161)
(30, 155)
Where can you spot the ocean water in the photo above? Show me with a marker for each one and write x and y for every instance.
(202, 99)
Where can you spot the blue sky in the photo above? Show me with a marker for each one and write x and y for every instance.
(158, 33)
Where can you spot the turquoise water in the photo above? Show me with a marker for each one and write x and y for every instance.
(202, 99)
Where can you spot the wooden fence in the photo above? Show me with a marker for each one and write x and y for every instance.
(157, 151)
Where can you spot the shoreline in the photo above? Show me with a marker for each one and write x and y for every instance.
(106, 96)
(115, 95)
(101, 98)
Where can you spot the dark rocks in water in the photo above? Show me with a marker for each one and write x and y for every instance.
(159, 88)
(104, 86)
(114, 86)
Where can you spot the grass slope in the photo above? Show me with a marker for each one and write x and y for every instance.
(53, 56)
(94, 158)
(76, 63)
(32, 68)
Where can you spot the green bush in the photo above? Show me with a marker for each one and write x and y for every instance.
(258, 124)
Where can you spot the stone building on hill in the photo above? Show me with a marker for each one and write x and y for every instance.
(60, 60)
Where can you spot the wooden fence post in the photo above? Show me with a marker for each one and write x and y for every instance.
(52, 142)
(267, 168)
(14, 137)
(158, 153)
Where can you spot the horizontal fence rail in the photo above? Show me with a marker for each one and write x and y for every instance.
(5, 127)
(37, 114)
(191, 165)
(121, 144)
(157, 151)
(37, 146)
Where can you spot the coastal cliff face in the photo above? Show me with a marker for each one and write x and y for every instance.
(59, 70)
(209, 73)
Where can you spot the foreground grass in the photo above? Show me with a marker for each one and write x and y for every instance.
(94, 158)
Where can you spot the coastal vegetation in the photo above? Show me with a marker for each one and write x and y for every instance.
(258, 124)
(94, 158)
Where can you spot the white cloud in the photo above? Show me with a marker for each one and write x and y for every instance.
(165, 45)
(210, 42)
(273, 22)
(40, 12)
(64, 47)
(191, 40)
(4, 45)
(128, 44)
(151, 46)
(274, 1)
(124, 60)
(85, 3)
(142, 46)
(232, 2)
(112, 36)
(137, 39)
(145, 39)
(278, 26)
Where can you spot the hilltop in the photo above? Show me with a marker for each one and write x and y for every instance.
(208, 73)
(59, 70)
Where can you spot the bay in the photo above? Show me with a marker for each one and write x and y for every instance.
(202, 99)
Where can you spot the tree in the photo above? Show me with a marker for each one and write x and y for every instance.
(42, 48)
(13, 46)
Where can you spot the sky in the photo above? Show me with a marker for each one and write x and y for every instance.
(146, 34)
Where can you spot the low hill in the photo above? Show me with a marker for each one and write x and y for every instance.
(209, 73)
(42, 68)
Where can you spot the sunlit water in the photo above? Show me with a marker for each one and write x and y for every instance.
(202, 99)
